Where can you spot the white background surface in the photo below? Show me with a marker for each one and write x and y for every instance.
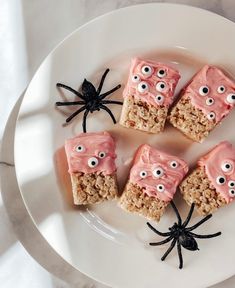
(28, 31)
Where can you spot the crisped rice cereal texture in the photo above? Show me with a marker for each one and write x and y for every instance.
(197, 188)
(135, 200)
(140, 115)
(93, 188)
(190, 120)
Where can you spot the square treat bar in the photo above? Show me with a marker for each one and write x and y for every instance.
(212, 184)
(204, 102)
(148, 95)
(91, 161)
(152, 183)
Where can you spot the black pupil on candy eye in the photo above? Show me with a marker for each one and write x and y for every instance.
(173, 164)
(233, 97)
(135, 77)
(158, 172)
(93, 163)
(205, 90)
(162, 86)
(227, 166)
(159, 98)
(222, 88)
(232, 184)
(146, 69)
(143, 86)
(210, 100)
(161, 72)
(221, 180)
(101, 154)
(79, 148)
(160, 187)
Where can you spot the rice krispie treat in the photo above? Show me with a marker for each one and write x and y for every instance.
(204, 102)
(91, 161)
(148, 95)
(212, 184)
(152, 183)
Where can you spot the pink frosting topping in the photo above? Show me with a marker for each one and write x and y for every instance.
(151, 82)
(219, 165)
(157, 172)
(91, 152)
(211, 91)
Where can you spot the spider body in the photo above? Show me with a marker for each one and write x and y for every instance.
(179, 234)
(91, 99)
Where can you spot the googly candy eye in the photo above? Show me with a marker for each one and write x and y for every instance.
(203, 90)
(147, 70)
(80, 148)
(102, 154)
(210, 101)
(220, 180)
(160, 188)
(174, 164)
(227, 167)
(158, 172)
(232, 192)
(221, 89)
(211, 116)
(161, 86)
(231, 184)
(143, 87)
(231, 98)
(135, 78)
(143, 174)
(92, 162)
(161, 73)
(159, 99)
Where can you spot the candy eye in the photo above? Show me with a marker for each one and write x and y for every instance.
(232, 192)
(102, 154)
(158, 172)
(143, 87)
(161, 86)
(231, 184)
(80, 148)
(159, 99)
(160, 188)
(174, 164)
(221, 89)
(203, 90)
(226, 167)
(147, 70)
(211, 116)
(231, 98)
(161, 73)
(143, 174)
(135, 78)
(210, 101)
(220, 180)
(92, 162)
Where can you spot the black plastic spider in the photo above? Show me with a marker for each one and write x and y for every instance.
(92, 100)
(181, 235)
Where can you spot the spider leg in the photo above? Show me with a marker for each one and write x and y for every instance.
(75, 114)
(205, 236)
(158, 232)
(102, 96)
(109, 111)
(199, 223)
(161, 242)
(111, 102)
(70, 89)
(102, 81)
(189, 215)
(180, 255)
(176, 212)
(69, 103)
(84, 120)
(168, 251)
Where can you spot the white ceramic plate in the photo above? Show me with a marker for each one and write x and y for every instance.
(103, 241)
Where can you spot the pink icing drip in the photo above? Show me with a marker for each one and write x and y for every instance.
(147, 159)
(222, 153)
(171, 79)
(213, 78)
(93, 143)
